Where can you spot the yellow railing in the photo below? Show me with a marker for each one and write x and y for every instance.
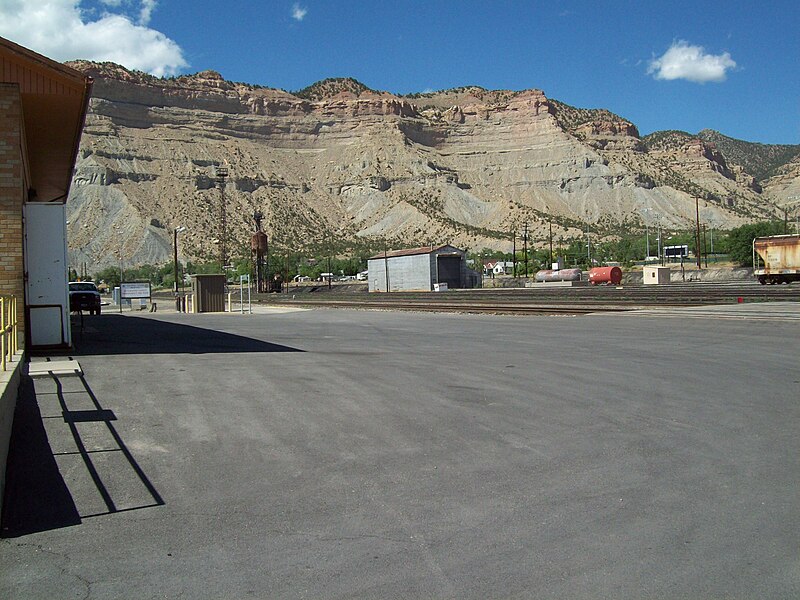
(8, 328)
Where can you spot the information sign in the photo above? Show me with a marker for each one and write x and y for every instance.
(676, 251)
(130, 291)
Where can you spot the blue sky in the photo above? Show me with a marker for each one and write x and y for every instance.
(663, 65)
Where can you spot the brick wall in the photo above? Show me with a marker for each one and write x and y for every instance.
(11, 196)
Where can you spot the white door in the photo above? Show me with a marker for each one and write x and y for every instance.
(46, 294)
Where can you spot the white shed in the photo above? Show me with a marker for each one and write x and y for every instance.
(655, 275)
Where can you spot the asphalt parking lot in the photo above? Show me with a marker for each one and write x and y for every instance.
(363, 454)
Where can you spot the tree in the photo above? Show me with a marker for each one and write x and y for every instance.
(110, 275)
(740, 240)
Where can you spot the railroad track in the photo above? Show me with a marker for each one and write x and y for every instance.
(565, 301)
(465, 307)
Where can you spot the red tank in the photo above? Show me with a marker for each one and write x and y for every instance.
(606, 275)
(259, 243)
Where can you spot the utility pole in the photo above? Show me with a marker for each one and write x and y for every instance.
(175, 232)
(550, 266)
(386, 265)
(330, 275)
(711, 232)
(286, 277)
(525, 248)
(222, 173)
(514, 252)
(259, 245)
(588, 246)
(697, 232)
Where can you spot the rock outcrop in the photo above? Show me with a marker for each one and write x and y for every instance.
(340, 161)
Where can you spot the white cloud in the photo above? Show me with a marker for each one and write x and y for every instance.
(298, 12)
(61, 30)
(146, 11)
(684, 61)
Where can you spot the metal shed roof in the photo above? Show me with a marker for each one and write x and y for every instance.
(54, 103)
(414, 251)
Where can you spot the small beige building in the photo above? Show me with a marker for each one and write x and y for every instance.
(655, 275)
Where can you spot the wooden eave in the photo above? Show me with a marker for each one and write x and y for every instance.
(54, 99)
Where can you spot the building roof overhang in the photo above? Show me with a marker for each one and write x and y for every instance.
(54, 99)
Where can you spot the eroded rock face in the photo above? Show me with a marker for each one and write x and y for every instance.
(464, 166)
(785, 187)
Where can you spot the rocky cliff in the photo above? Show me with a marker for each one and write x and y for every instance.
(338, 161)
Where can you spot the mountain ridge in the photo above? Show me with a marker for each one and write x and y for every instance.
(466, 165)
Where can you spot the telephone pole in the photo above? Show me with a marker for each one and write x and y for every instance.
(222, 173)
(525, 247)
(514, 252)
(697, 232)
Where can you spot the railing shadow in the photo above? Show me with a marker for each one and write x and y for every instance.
(110, 334)
(37, 498)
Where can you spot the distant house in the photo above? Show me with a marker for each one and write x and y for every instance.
(498, 267)
(503, 267)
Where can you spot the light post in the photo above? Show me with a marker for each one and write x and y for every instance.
(175, 233)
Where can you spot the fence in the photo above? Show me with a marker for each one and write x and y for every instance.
(8, 328)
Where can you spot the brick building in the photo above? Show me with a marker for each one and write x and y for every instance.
(42, 109)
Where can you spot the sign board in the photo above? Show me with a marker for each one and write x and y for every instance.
(131, 291)
(676, 251)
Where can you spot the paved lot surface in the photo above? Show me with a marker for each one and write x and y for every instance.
(342, 454)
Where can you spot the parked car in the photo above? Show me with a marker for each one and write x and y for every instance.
(83, 295)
